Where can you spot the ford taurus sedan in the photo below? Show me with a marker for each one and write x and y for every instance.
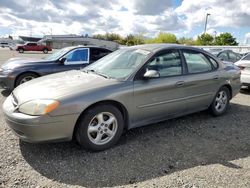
(19, 70)
(128, 88)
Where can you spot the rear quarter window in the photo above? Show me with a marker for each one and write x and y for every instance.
(197, 62)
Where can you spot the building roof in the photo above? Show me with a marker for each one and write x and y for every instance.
(31, 39)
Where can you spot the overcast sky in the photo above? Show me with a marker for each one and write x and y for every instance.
(147, 17)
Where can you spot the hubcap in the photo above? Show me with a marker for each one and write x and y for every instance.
(221, 101)
(102, 128)
(26, 79)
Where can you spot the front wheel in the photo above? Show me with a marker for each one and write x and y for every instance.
(220, 103)
(25, 78)
(100, 128)
(20, 50)
(45, 51)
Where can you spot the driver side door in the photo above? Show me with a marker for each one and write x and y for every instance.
(162, 97)
(75, 60)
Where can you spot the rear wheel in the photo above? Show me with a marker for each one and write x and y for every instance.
(45, 51)
(20, 50)
(100, 128)
(25, 78)
(221, 102)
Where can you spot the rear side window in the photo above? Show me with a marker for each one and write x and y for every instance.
(232, 56)
(215, 64)
(197, 62)
(96, 53)
(247, 57)
(223, 56)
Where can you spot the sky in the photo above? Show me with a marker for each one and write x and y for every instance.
(184, 18)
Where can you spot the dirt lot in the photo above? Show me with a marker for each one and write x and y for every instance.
(197, 150)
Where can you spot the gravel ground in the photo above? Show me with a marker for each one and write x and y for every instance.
(197, 150)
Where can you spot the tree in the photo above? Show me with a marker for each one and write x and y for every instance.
(187, 41)
(225, 39)
(109, 36)
(163, 38)
(205, 39)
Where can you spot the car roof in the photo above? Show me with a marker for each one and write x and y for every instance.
(158, 47)
(85, 46)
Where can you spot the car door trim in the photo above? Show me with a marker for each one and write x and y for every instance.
(174, 100)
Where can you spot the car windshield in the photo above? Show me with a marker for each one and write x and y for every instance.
(119, 64)
(56, 55)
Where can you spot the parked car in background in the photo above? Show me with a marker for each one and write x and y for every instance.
(244, 65)
(4, 44)
(227, 55)
(128, 88)
(33, 46)
(19, 70)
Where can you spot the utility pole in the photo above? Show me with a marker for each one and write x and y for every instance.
(205, 29)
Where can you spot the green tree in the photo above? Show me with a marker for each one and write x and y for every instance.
(131, 40)
(205, 39)
(187, 41)
(109, 36)
(166, 38)
(162, 38)
(225, 39)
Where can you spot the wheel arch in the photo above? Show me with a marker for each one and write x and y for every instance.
(117, 104)
(26, 72)
(229, 87)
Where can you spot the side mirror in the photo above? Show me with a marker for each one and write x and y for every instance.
(151, 74)
(62, 60)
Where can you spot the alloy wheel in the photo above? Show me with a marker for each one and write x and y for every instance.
(102, 128)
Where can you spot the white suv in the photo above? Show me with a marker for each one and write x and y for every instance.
(244, 65)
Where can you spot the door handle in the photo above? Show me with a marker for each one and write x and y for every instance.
(216, 77)
(180, 83)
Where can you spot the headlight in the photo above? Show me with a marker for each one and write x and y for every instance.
(38, 107)
(5, 71)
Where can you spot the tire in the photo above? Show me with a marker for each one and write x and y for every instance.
(45, 51)
(100, 128)
(220, 103)
(20, 50)
(24, 78)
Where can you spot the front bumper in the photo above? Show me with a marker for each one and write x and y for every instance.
(7, 82)
(39, 128)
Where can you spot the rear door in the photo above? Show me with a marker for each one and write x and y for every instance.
(202, 79)
(158, 98)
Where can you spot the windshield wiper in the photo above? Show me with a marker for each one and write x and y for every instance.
(98, 73)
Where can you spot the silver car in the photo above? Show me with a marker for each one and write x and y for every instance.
(128, 88)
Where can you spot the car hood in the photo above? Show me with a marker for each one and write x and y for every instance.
(17, 62)
(244, 63)
(58, 85)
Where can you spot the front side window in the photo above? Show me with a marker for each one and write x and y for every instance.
(167, 64)
(79, 56)
(32, 44)
(197, 62)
